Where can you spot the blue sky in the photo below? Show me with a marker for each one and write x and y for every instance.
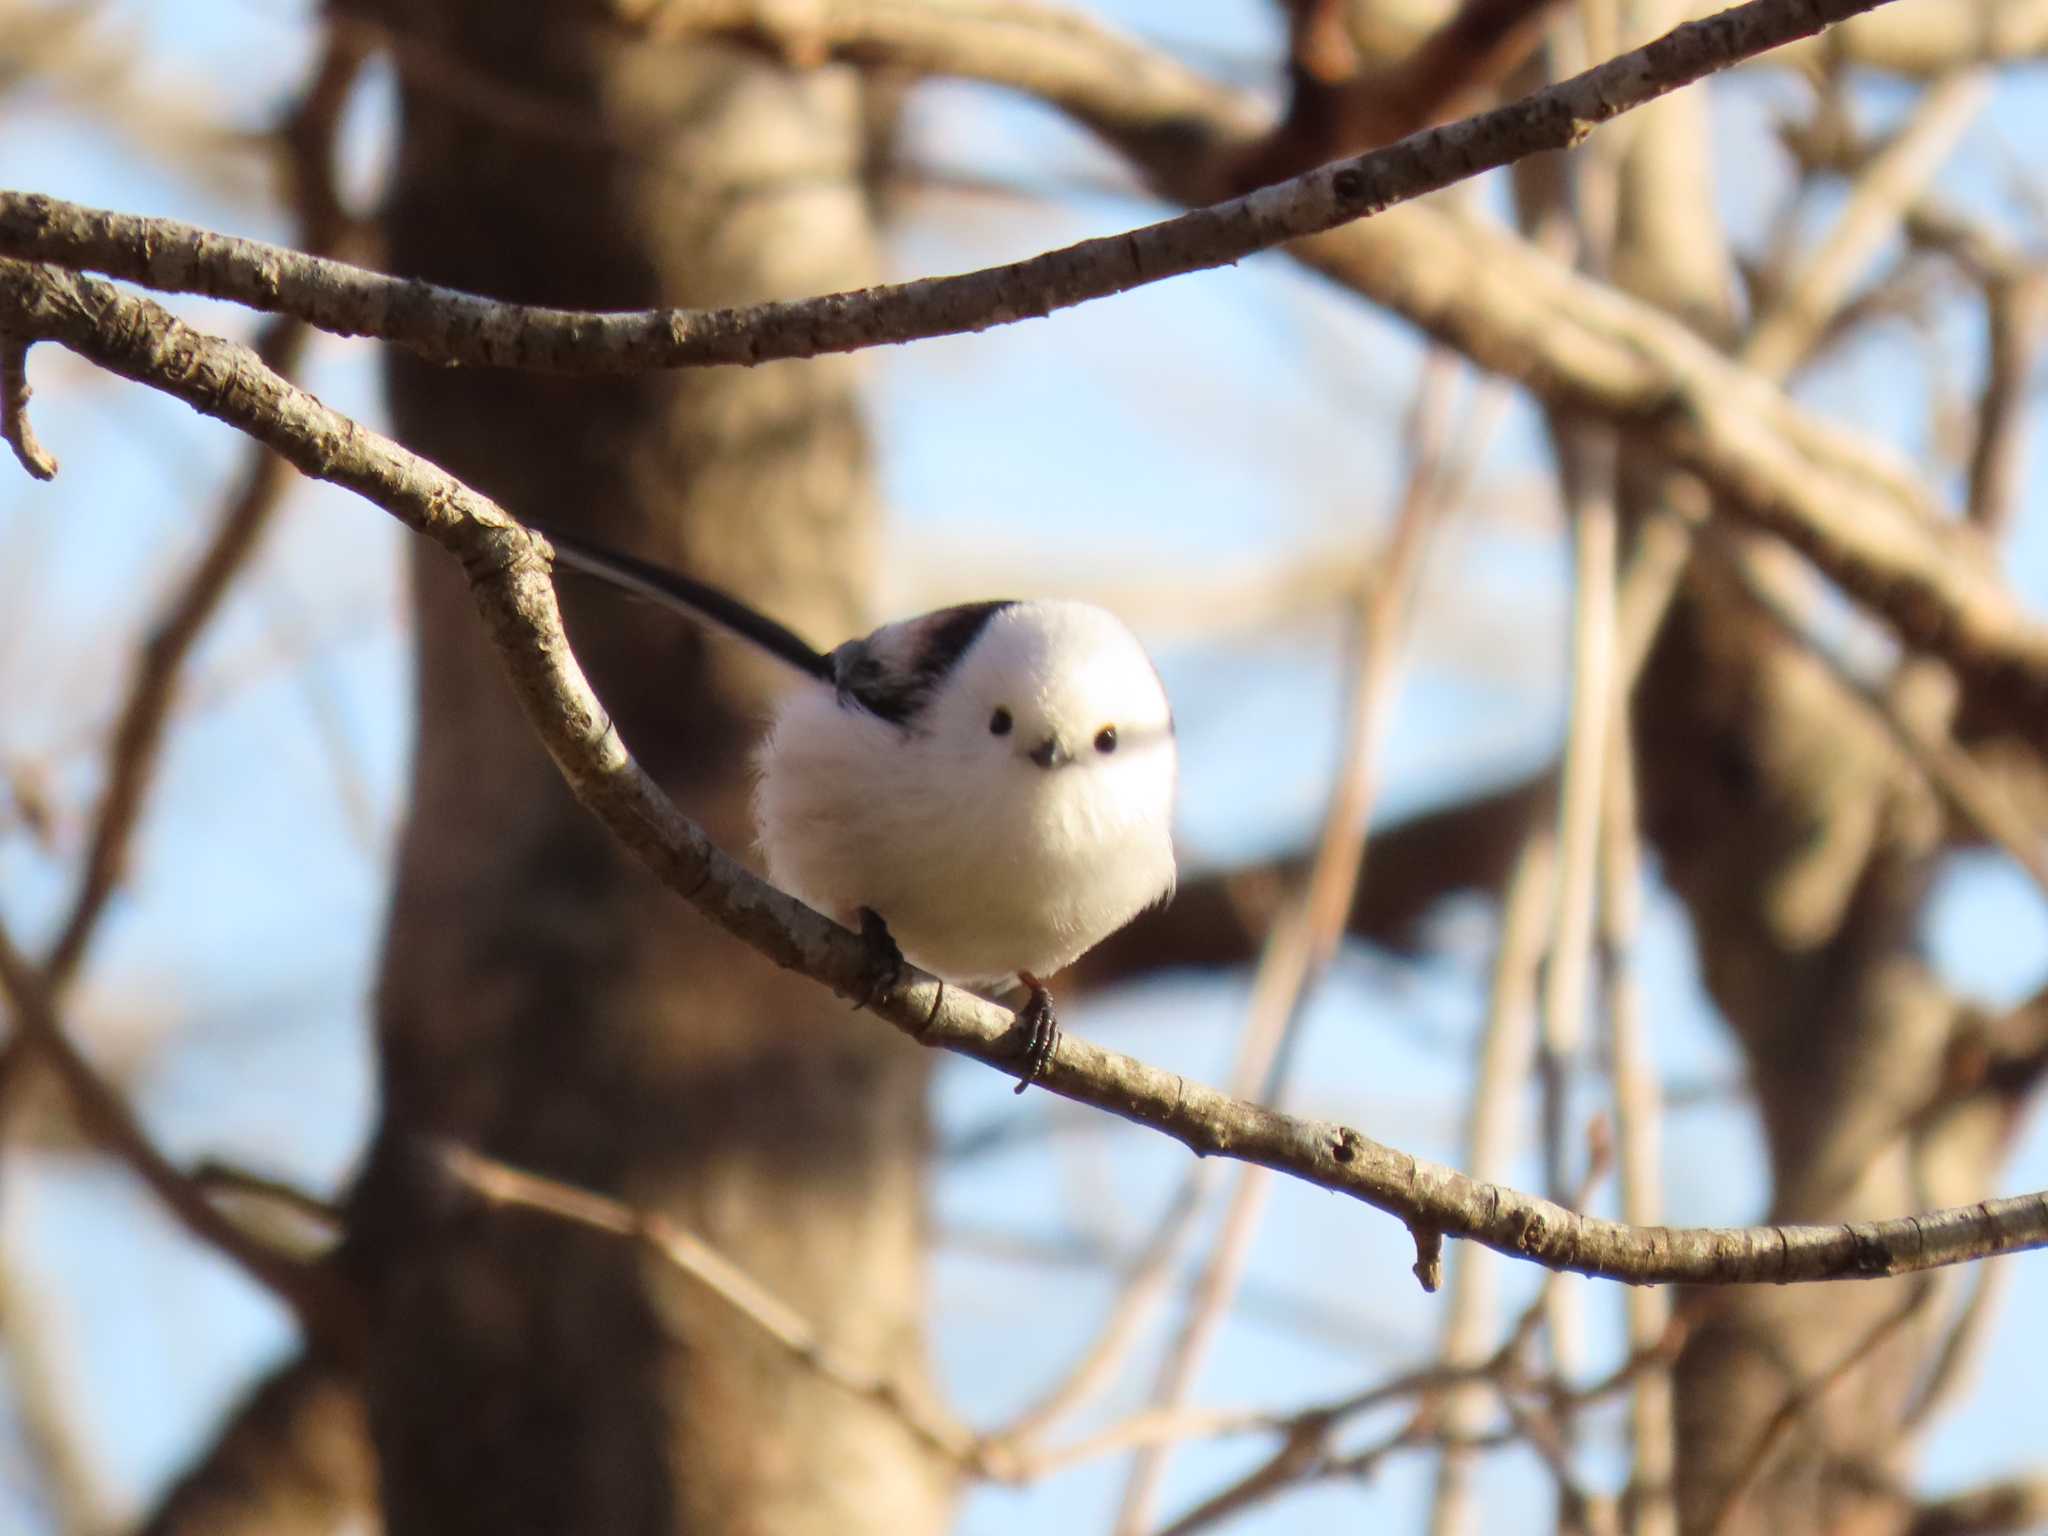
(229, 988)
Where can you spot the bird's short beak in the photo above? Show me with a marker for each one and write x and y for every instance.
(1049, 753)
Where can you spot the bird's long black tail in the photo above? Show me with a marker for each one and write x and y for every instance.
(690, 597)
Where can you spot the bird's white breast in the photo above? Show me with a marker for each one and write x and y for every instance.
(980, 872)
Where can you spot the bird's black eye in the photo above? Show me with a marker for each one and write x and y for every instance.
(999, 723)
(1105, 739)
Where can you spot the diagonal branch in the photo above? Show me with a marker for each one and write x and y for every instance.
(1335, 109)
(448, 326)
(153, 687)
(500, 1185)
(315, 1294)
(1134, 95)
(509, 582)
(1805, 1400)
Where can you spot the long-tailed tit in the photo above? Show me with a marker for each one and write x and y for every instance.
(989, 787)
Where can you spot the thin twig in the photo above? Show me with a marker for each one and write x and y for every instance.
(1148, 1281)
(1962, 1348)
(1971, 793)
(1887, 187)
(1208, 1305)
(2015, 312)
(1805, 1399)
(1305, 1453)
(1148, 1427)
(221, 1178)
(503, 1186)
(1275, 1307)
(152, 694)
(1638, 1117)
(1302, 1455)
(1025, 1463)
(1504, 1370)
(152, 690)
(1588, 456)
(1493, 1131)
(1578, 1512)
(54, 1467)
(1890, 186)
(1310, 930)
(315, 1295)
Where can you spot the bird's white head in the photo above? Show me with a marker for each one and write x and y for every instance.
(1062, 692)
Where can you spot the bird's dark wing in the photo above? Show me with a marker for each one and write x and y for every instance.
(894, 672)
(692, 598)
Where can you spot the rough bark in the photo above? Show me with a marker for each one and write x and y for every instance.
(541, 998)
(293, 1457)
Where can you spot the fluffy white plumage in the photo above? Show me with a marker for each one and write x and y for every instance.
(1016, 811)
(993, 782)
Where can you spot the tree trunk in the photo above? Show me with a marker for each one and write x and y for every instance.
(292, 1457)
(541, 998)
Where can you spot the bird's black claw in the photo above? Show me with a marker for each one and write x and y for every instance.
(1041, 1028)
(885, 960)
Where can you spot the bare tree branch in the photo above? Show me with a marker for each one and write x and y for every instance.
(153, 686)
(500, 1185)
(2015, 316)
(1493, 1135)
(152, 693)
(1334, 109)
(1841, 501)
(1973, 794)
(1889, 184)
(1217, 919)
(507, 572)
(1962, 1348)
(448, 326)
(314, 1294)
(307, 135)
(1119, 87)
(1006, 1456)
(1145, 1287)
(1638, 1116)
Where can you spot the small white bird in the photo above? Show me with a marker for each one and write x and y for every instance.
(989, 787)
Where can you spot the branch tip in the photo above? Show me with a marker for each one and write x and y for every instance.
(1429, 1256)
(14, 398)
